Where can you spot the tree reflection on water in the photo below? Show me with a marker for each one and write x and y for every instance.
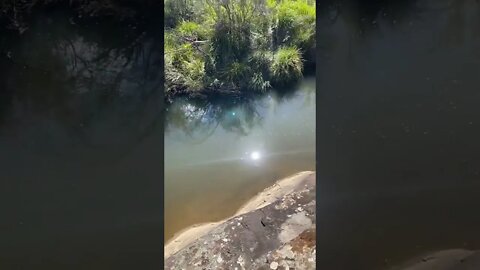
(81, 86)
(198, 119)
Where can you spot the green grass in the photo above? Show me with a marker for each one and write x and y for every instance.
(246, 45)
(192, 30)
(295, 22)
(287, 65)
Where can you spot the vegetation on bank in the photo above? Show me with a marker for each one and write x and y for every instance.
(237, 45)
(210, 45)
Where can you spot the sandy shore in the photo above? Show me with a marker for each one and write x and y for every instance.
(265, 197)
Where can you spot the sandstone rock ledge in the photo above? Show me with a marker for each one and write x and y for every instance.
(274, 230)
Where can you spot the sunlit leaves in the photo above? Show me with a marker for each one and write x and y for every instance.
(240, 44)
(287, 65)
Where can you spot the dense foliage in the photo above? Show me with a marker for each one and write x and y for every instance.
(236, 45)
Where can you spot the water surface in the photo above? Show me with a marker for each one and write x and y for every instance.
(398, 131)
(80, 144)
(218, 154)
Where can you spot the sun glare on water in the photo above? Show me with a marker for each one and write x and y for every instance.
(255, 155)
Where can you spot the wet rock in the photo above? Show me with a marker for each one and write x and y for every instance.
(275, 230)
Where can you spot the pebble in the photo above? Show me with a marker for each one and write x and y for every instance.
(274, 265)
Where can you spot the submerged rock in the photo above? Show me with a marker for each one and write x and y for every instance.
(274, 230)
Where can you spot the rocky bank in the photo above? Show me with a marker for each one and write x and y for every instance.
(274, 230)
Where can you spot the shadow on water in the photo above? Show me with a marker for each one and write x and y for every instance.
(80, 124)
(398, 127)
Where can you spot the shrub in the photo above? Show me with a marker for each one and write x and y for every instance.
(261, 61)
(194, 71)
(175, 10)
(192, 30)
(232, 30)
(287, 65)
(237, 73)
(295, 23)
(258, 83)
(184, 66)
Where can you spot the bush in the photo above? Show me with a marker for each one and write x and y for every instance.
(176, 10)
(237, 73)
(192, 31)
(232, 30)
(194, 71)
(261, 61)
(295, 23)
(287, 65)
(258, 83)
(184, 66)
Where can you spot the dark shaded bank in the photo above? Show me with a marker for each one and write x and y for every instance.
(398, 128)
